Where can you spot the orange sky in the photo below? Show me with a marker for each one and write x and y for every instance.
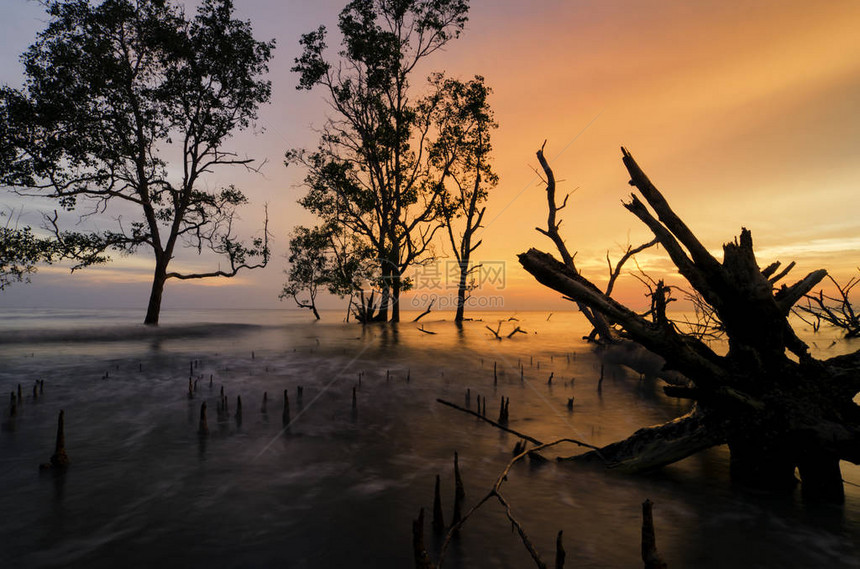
(742, 113)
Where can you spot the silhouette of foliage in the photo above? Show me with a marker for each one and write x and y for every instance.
(20, 252)
(463, 121)
(370, 172)
(111, 91)
(325, 258)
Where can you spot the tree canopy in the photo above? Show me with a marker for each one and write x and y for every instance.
(464, 122)
(371, 172)
(126, 108)
(20, 252)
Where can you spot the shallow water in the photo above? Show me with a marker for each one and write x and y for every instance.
(339, 488)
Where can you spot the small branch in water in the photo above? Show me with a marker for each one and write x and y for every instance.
(421, 329)
(516, 330)
(517, 433)
(494, 423)
(495, 492)
(426, 312)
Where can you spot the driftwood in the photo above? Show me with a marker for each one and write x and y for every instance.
(426, 312)
(511, 334)
(776, 406)
(496, 331)
(493, 423)
(516, 331)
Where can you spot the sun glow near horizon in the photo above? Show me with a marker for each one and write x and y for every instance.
(742, 115)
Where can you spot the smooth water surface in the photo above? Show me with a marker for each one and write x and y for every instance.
(340, 486)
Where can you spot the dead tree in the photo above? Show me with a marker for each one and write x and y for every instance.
(836, 311)
(601, 329)
(777, 408)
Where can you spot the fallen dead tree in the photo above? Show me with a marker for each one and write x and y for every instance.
(777, 408)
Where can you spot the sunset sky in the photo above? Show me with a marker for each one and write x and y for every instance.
(742, 113)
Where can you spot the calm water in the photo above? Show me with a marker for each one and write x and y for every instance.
(340, 488)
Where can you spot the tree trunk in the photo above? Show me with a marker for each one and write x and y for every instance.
(349, 307)
(461, 290)
(762, 465)
(153, 310)
(395, 297)
(382, 315)
(821, 476)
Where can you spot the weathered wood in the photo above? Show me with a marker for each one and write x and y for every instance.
(788, 297)
(438, 515)
(459, 492)
(689, 356)
(490, 421)
(776, 413)
(426, 312)
(594, 318)
(59, 460)
(517, 433)
(496, 492)
(651, 448)
(422, 560)
(650, 556)
(552, 208)
(778, 277)
(559, 551)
